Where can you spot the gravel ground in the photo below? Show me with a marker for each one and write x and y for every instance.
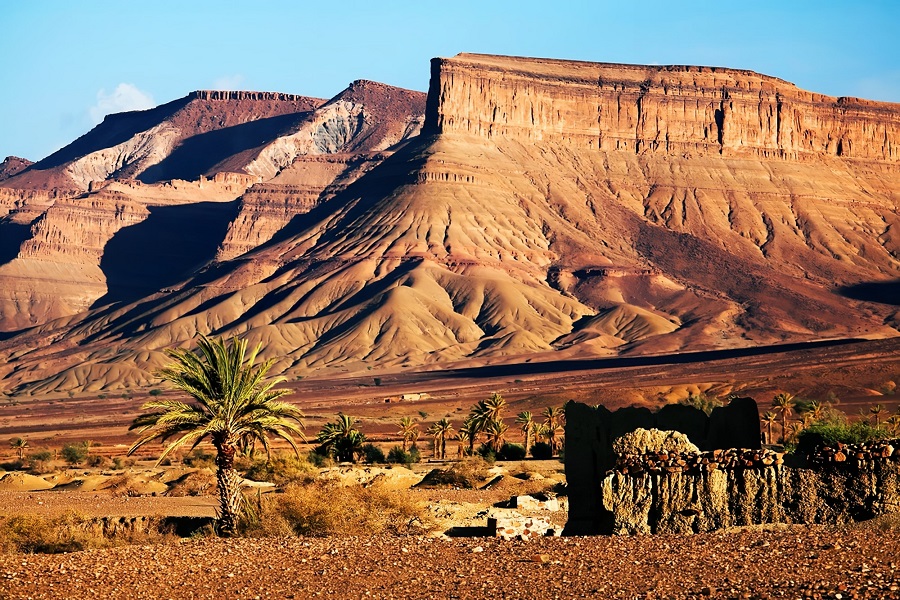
(788, 563)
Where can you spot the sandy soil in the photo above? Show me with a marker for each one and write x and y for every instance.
(848, 375)
(788, 563)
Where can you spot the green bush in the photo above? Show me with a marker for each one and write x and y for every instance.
(702, 402)
(372, 454)
(319, 459)
(828, 434)
(541, 451)
(74, 454)
(511, 452)
(397, 455)
(155, 392)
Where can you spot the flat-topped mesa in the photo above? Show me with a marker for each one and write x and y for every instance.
(673, 109)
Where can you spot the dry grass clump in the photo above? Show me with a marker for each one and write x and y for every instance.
(325, 508)
(467, 473)
(34, 534)
(282, 469)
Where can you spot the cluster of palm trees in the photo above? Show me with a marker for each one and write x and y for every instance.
(485, 422)
(341, 439)
(784, 404)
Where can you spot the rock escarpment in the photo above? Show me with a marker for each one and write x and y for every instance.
(661, 109)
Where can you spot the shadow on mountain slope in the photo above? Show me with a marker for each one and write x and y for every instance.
(884, 292)
(198, 154)
(165, 248)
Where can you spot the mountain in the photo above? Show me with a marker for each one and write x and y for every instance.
(13, 165)
(549, 209)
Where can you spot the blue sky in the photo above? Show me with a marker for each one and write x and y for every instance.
(66, 63)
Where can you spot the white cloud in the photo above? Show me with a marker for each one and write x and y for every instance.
(125, 97)
(228, 83)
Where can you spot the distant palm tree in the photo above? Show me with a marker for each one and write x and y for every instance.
(795, 429)
(816, 411)
(19, 444)
(526, 420)
(553, 421)
(496, 435)
(462, 436)
(470, 428)
(893, 423)
(783, 403)
(442, 430)
(495, 405)
(769, 418)
(235, 404)
(876, 412)
(409, 431)
(341, 438)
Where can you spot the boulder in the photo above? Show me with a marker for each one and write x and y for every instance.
(644, 441)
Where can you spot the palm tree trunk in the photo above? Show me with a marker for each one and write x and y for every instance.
(527, 440)
(229, 485)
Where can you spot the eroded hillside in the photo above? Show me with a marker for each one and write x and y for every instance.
(550, 208)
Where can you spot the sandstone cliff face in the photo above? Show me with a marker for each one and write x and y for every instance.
(669, 109)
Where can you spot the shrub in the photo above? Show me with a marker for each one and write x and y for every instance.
(65, 533)
(74, 454)
(327, 508)
(397, 455)
(96, 460)
(827, 434)
(487, 453)
(200, 458)
(281, 469)
(541, 451)
(319, 459)
(373, 454)
(155, 392)
(511, 452)
(702, 402)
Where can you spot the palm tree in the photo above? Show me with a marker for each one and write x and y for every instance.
(462, 437)
(442, 430)
(496, 434)
(893, 423)
(409, 431)
(341, 438)
(19, 444)
(526, 420)
(553, 422)
(769, 418)
(876, 412)
(816, 411)
(783, 403)
(494, 407)
(234, 404)
(470, 428)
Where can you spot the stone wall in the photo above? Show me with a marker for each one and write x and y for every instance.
(590, 432)
(716, 490)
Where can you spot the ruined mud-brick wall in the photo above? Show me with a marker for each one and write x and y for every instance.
(590, 432)
(715, 490)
